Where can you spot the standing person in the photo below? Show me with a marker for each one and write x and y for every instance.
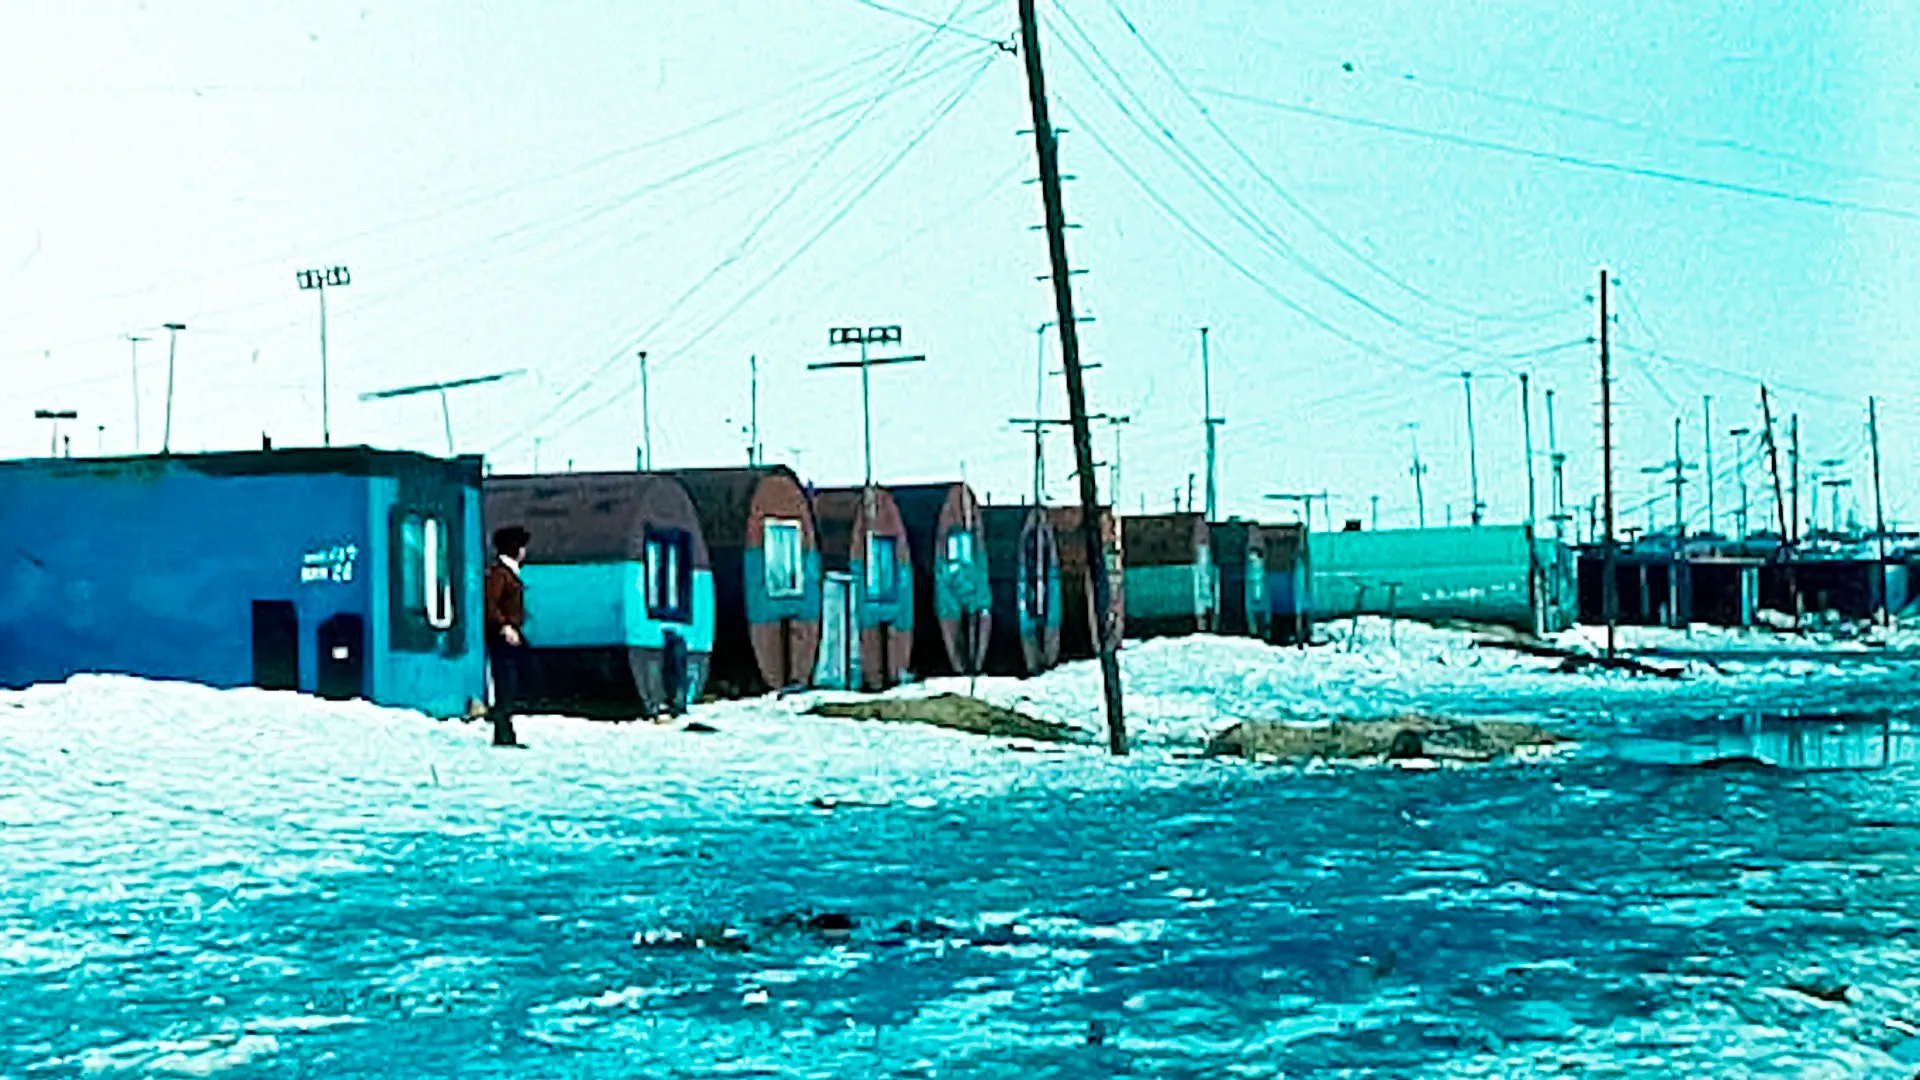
(506, 621)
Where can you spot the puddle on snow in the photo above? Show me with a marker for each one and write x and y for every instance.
(1794, 742)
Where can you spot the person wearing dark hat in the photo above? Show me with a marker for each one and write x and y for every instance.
(506, 622)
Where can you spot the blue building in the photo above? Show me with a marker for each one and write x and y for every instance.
(346, 573)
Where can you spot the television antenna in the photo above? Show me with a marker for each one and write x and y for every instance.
(441, 388)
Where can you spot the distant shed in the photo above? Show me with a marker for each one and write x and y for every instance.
(345, 573)
(1077, 638)
(953, 598)
(1240, 554)
(620, 592)
(1499, 574)
(862, 535)
(1023, 561)
(766, 576)
(1172, 587)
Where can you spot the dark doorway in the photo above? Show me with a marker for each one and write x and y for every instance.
(673, 673)
(276, 645)
(342, 658)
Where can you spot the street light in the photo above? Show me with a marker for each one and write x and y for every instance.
(55, 415)
(173, 337)
(320, 281)
(874, 335)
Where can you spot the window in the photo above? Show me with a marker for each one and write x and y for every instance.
(1036, 575)
(959, 550)
(883, 571)
(426, 573)
(1203, 580)
(669, 573)
(781, 548)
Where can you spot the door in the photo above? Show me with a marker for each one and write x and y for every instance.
(342, 640)
(673, 673)
(276, 645)
(835, 669)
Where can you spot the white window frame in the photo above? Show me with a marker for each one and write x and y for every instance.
(789, 529)
(436, 595)
(882, 588)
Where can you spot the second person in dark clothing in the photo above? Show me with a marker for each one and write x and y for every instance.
(506, 638)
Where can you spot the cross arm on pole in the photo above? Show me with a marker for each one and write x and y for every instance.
(878, 361)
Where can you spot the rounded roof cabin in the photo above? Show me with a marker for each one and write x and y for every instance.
(1077, 639)
(766, 576)
(1023, 565)
(1240, 553)
(953, 598)
(861, 534)
(1171, 584)
(620, 614)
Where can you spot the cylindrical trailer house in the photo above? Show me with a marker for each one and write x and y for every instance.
(346, 573)
(1171, 584)
(1240, 555)
(1077, 639)
(1023, 565)
(1289, 584)
(620, 601)
(953, 599)
(766, 577)
(862, 536)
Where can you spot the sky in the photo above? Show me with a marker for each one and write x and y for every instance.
(1360, 203)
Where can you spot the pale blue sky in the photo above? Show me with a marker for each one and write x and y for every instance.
(499, 179)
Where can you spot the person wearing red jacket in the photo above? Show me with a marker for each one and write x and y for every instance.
(506, 622)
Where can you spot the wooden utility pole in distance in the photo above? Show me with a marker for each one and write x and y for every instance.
(1609, 586)
(1046, 148)
(1879, 508)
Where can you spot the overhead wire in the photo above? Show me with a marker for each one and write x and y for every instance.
(1570, 160)
(1291, 200)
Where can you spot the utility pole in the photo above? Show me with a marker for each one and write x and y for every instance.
(1526, 429)
(1212, 422)
(1533, 550)
(1039, 410)
(644, 455)
(1417, 472)
(753, 409)
(1706, 438)
(1473, 450)
(1609, 586)
(320, 281)
(134, 340)
(1679, 482)
(1046, 148)
(874, 335)
(173, 336)
(1879, 508)
(1773, 464)
(1833, 484)
(1559, 461)
(1740, 474)
(1794, 457)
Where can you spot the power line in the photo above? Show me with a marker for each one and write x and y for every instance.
(1571, 160)
(924, 20)
(1278, 189)
(1219, 191)
(839, 215)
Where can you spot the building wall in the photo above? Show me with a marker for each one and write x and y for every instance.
(1470, 573)
(434, 682)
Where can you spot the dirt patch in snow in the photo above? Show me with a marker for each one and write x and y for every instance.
(955, 711)
(1404, 738)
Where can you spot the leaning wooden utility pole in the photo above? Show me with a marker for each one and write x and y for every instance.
(1609, 583)
(1785, 549)
(1047, 150)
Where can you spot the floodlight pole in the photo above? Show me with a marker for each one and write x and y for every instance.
(173, 336)
(319, 281)
(873, 335)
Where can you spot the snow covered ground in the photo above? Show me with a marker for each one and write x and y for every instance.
(241, 882)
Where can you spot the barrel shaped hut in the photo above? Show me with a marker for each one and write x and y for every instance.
(1240, 555)
(620, 603)
(1172, 588)
(861, 535)
(1289, 584)
(1023, 566)
(766, 576)
(953, 598)
(1078, 641)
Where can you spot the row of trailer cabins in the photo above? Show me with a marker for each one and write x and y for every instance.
(357, 573)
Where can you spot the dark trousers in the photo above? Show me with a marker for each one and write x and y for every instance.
(509, 663)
